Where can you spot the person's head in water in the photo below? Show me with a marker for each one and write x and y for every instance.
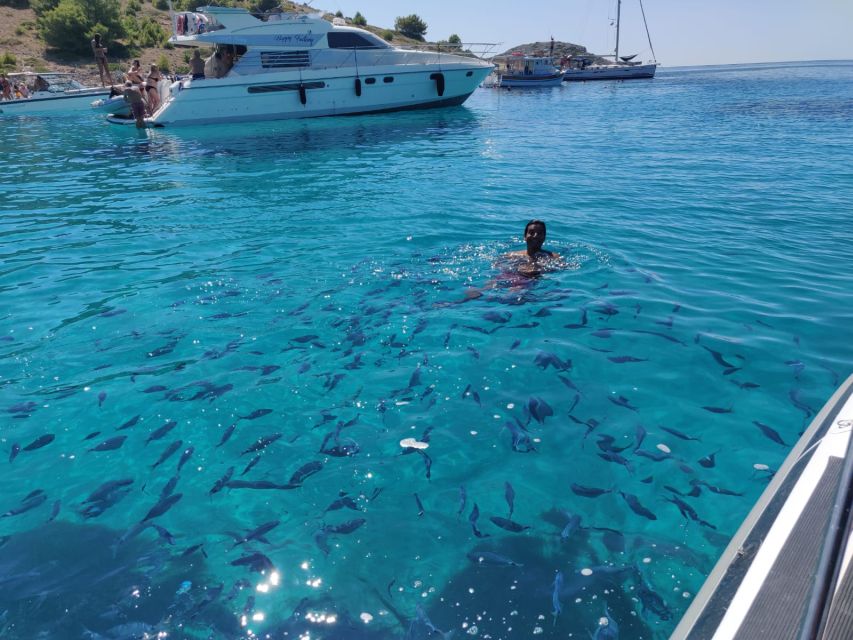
(534, 236)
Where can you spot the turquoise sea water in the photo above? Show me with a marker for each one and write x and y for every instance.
(304, 282)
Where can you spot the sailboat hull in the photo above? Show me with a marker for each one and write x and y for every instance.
(610, 72)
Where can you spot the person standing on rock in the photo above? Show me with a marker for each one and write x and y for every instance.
(100, 53)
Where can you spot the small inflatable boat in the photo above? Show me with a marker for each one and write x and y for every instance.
(787, 572)
(112, 104)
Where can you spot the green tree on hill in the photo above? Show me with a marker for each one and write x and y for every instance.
(359, 20)
(70, 25)
(411, 26)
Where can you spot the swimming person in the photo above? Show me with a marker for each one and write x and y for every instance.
(520, 268)
(534, 260)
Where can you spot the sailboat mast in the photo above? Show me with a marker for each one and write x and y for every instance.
(618, 13)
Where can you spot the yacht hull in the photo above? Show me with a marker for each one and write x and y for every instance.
(610, 72)
(315, 94)
(76, 101)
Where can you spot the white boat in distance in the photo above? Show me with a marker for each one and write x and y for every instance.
(300, 66)
(529, 71)
(623, 68)
(51, 92)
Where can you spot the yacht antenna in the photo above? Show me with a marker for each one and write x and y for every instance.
(646, 24)
(618, 12)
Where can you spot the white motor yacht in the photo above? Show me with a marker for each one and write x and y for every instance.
(50, 92)
(302, 66)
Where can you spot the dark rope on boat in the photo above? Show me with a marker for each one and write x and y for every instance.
(643, 11)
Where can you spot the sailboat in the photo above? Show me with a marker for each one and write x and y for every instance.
(623, 68)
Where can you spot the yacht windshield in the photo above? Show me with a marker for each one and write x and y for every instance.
(354, 40)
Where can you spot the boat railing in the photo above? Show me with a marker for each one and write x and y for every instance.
(348, 58)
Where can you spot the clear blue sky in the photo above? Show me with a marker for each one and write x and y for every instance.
(684, 32)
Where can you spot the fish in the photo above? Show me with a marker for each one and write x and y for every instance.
(718, 490)
(508, 525)
(538, 409)
(345, 527)
(463, 498)
(129, 423)
(14, 451)
(635, 506)
(227, 434)
(499, 317)
(687, 511)
(612, 456)
(718, 409)
(54, 511)
(305, 471)
(659, 335)
(679, 434)
(491, 558)
(94, 434)
(258, 533)
(639, 436)
(222, 482)
(770, 432)
(111, 444)
(258, 484)
(572, 525)
(521, 441)
(588, 492)
(623, 359)
(603, 333)
(555, 595)
(162, 506)
(168, 451)
(509, 496)
(650, 600)
(101, 397)
(544, 359)
(718, 357)
(162, 431)
(745, 385)
(251, 464)
(344, 502)
(475, 515)
(185, 456)
(427, 463)
(580, 324)
(657, 456)
(155, 389)
(794, 395)
(169, 487)
(257, 413)
(256, 562)
(797, 366)
(41, 441)
(622, 401)
(567, 381)
(708, 461)
(261, 443)
(420, 504)
(30, 501)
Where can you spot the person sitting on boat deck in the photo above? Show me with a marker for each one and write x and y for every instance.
(133, 95)
(5, 88)
(213, 65)
(151, 89)
(21, 90)
(197, 66)
(100, 52)
(134, 74)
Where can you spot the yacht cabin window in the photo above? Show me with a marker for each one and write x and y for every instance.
(353, 40)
